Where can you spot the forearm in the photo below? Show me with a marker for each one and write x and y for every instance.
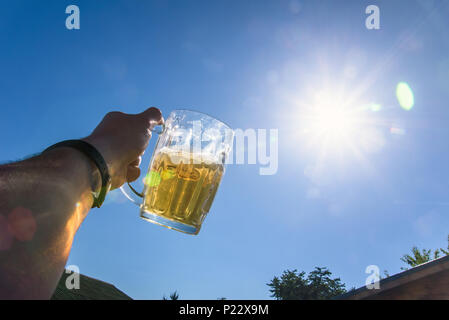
(43, 201)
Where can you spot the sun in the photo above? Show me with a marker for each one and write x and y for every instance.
(332, 124)
(332, 120)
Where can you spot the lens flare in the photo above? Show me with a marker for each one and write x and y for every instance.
(152, 179)
(405, 96)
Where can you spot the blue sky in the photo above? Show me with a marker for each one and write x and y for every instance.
(252, 64)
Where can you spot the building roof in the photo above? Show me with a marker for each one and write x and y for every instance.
(90, 289)
(427, 281)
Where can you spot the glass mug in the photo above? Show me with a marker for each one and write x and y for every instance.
(185, 171)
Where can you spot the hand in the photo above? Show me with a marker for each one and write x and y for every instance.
(121, 139)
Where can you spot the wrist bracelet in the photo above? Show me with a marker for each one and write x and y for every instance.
(92, 153)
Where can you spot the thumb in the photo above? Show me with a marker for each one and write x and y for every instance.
(152, 116)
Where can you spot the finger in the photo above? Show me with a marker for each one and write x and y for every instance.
(136, 162)
(132, 173)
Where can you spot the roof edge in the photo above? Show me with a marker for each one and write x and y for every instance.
(402, 278)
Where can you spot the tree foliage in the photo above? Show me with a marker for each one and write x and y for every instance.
(294, 285)
(422, 256)
(173, 296)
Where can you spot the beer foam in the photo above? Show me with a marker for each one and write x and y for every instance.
(179, 155)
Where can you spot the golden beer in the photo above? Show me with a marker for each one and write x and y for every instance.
(185, 171)
(181, 186)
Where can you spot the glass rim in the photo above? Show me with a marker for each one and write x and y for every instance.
(203, 114)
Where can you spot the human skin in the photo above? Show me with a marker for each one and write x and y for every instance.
(44, 200)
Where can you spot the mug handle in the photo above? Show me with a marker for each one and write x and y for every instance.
(132, 194)
(127, 189)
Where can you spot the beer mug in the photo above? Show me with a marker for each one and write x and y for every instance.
(185, 171)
